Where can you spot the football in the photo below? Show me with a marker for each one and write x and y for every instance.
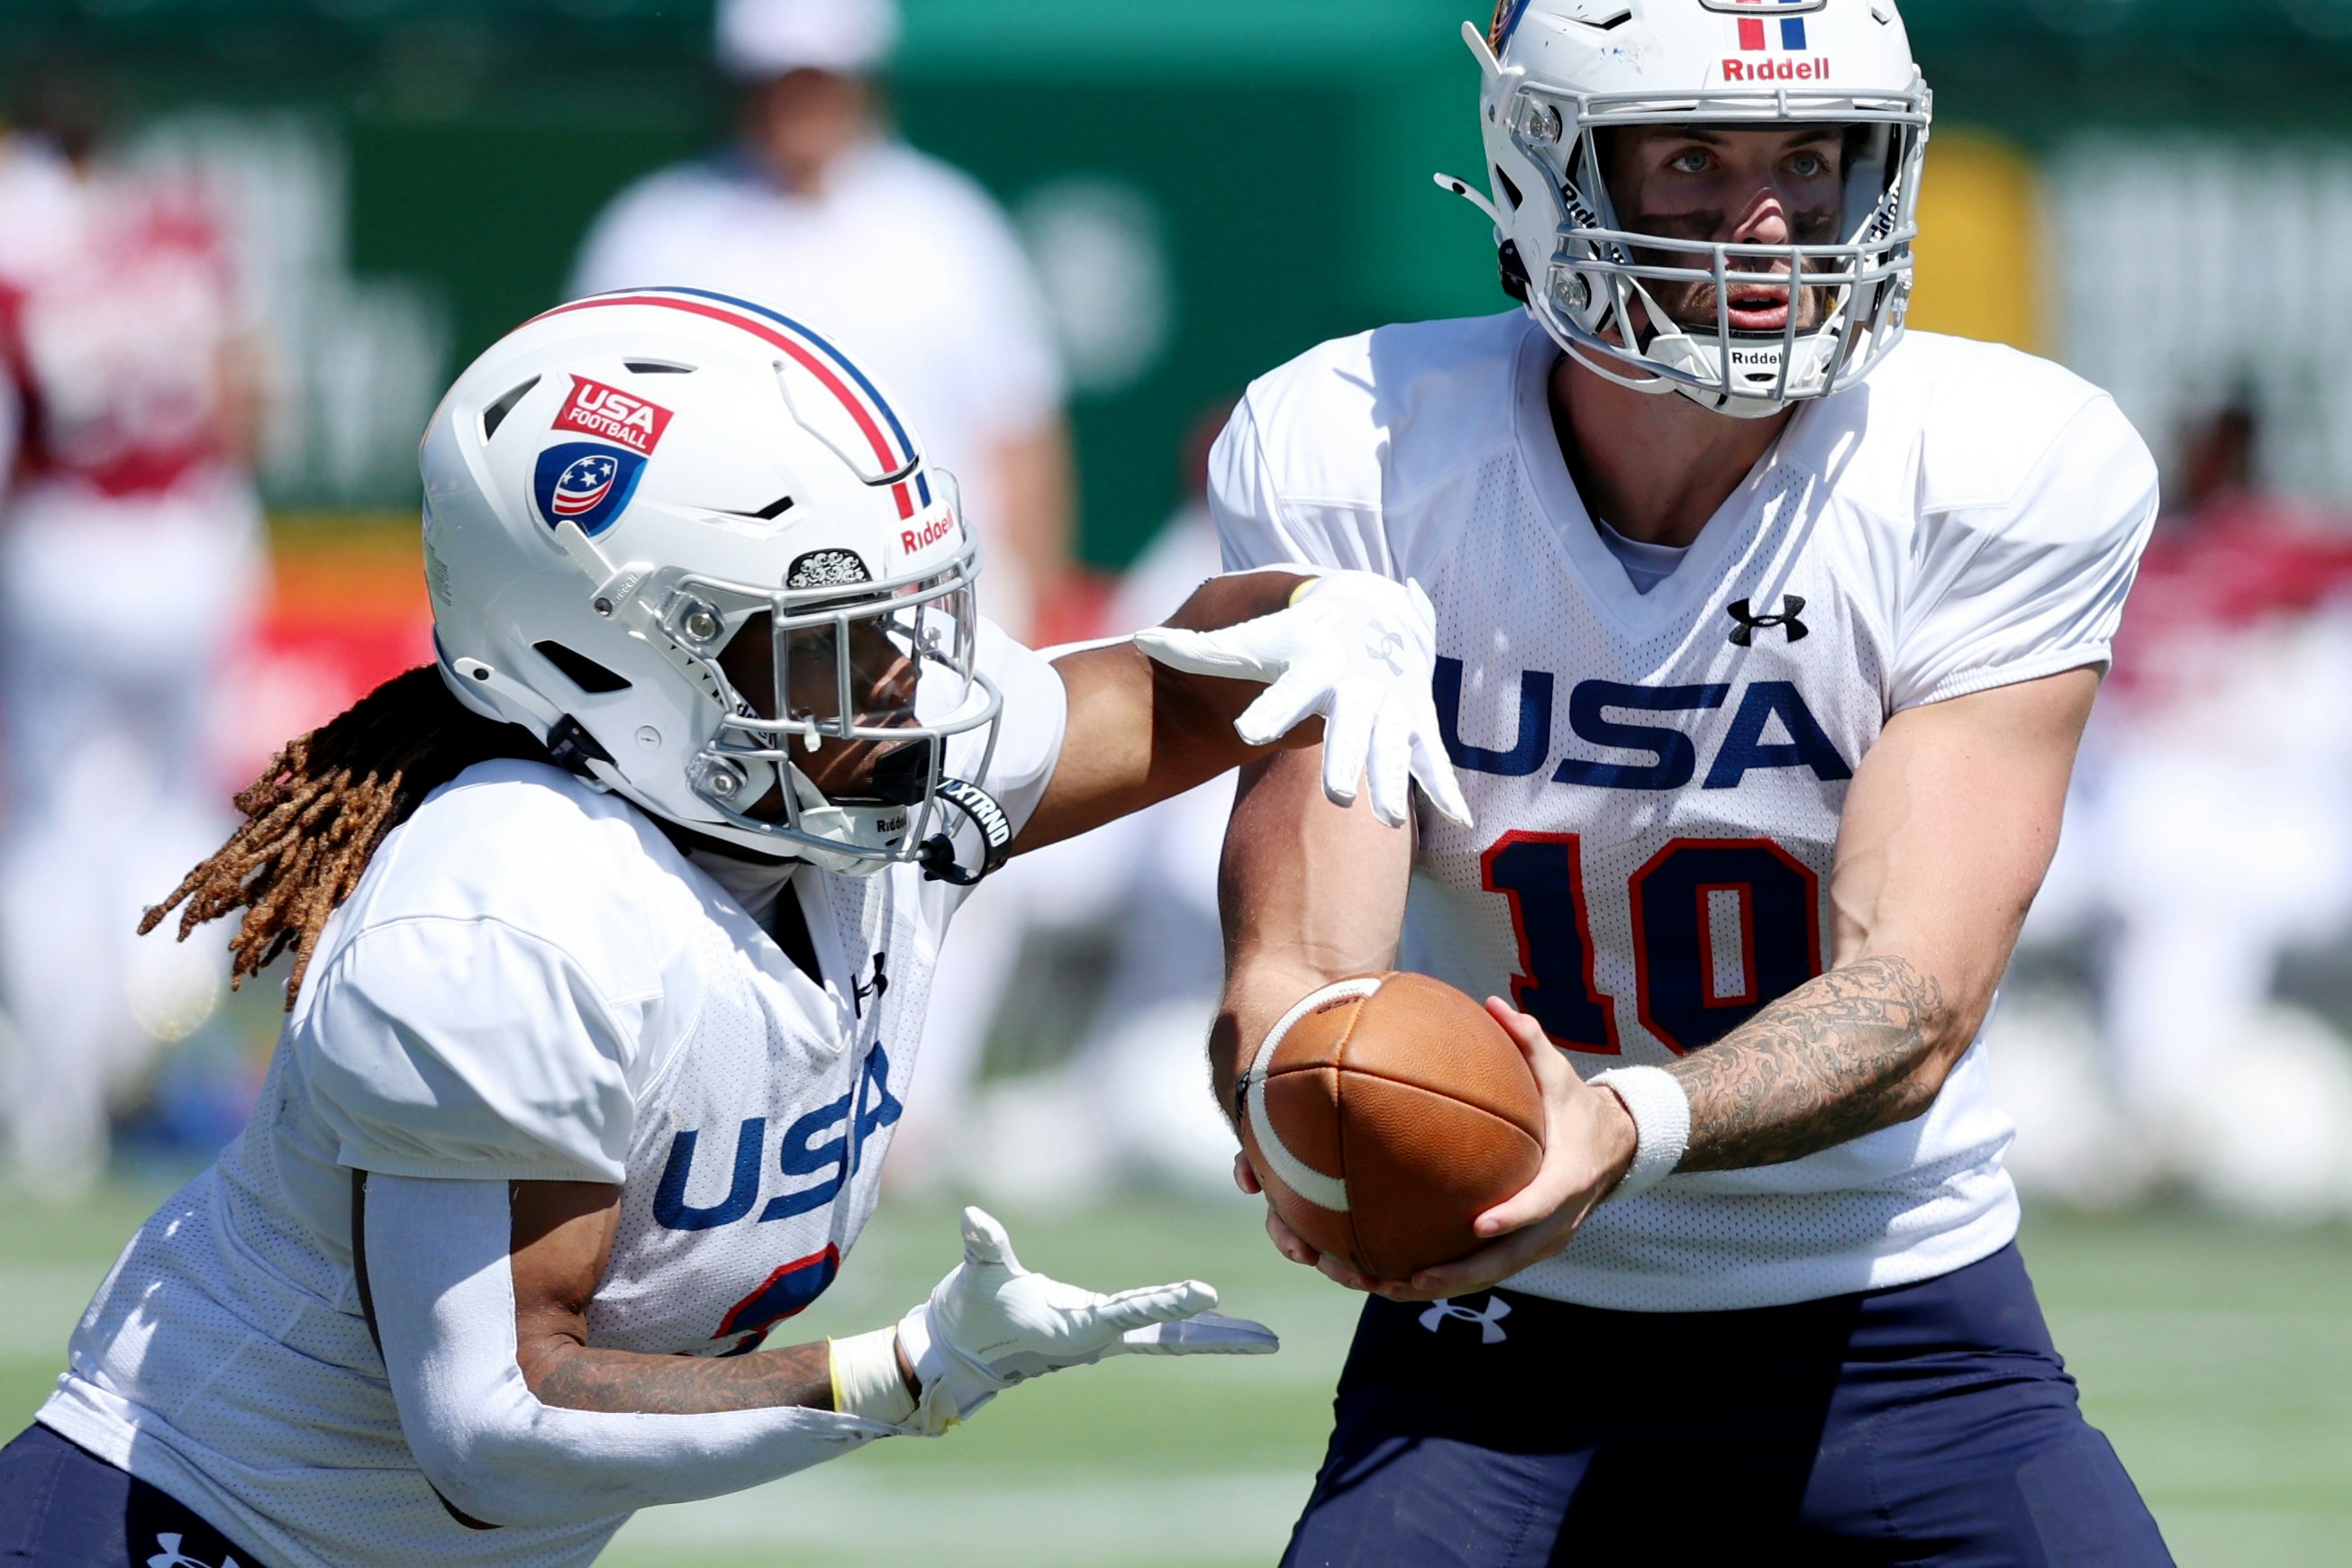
(1383, 1114)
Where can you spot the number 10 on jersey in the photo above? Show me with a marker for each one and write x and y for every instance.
(1720, 928)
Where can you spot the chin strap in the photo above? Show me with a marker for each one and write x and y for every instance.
(938, 856)
(1472, 194)
(1512, 269)
(576, 751)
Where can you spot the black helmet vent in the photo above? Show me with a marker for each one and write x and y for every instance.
(581, 670)
(496, 414)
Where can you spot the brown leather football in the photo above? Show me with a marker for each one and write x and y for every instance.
(1383, 1114)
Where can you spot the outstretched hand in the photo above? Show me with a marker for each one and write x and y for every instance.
(1360, 650)
(992, 1324)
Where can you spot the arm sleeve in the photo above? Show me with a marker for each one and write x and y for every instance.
(443, 1288)
(2035, 585)
(1028, 735)
(1257, 527)
(466, 1047)
(1027, 745)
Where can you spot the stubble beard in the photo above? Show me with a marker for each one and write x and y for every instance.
(1695, 307)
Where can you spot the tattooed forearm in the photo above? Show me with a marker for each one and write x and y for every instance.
(578, 1378)
(1838, 1056)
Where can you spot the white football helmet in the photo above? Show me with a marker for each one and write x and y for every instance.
(683, 541)
(1560, 74)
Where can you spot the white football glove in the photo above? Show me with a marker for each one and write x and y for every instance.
(992, 1324)
(1358, 649)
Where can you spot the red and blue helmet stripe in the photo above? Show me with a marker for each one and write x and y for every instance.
(1792, 29)
(893, 448)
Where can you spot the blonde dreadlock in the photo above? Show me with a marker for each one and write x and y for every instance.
(317, 813)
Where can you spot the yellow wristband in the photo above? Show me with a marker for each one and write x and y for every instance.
(866, 1381)
(1299, 592)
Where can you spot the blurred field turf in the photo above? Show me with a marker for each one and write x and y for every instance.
(2219, 1359)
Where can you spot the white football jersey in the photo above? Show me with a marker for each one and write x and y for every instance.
(1658, 778)
(529, 983)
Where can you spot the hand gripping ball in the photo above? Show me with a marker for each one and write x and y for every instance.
(1383, 1114)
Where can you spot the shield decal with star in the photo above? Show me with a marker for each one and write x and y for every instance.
(586, 483)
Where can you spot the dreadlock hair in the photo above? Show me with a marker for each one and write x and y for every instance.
(315, 816)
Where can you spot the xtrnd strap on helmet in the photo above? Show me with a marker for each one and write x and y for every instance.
(688, 544)
(995, 828)
(1559, 76)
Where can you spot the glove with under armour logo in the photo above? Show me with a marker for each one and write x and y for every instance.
(1358, 649)
(992, 1324)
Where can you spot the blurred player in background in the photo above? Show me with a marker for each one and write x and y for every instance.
(130, 567)
(2212, 833)
(1767, 635)
(612, 938)
(915, 270)
(1129, 1101)
(905, 258)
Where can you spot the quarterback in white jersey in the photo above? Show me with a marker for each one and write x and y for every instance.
(613, 931)
(1766, 635)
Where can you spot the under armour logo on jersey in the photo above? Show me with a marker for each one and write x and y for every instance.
(170, 1556)
(1386, 646)
(1490, 1322)
(1744, 635)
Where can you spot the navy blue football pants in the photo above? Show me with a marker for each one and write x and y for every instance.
(63, 1507)
(1930, 1424)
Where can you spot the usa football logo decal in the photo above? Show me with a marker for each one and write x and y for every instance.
(595, 409)
(585, 483)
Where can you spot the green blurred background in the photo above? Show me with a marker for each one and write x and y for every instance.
(1280, 149)
(1266, 163)
(2215, 1357)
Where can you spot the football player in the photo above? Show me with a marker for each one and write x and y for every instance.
(611, 933)
(124, 342)
(1766, 634)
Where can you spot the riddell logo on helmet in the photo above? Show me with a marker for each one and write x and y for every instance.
(595, 409)
(930, 533)
(1770, 69)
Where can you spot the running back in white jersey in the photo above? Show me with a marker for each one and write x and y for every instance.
(529, 983)
(1658, 778)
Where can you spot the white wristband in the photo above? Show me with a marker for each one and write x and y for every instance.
(1661, 1112)
(866, 1380)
